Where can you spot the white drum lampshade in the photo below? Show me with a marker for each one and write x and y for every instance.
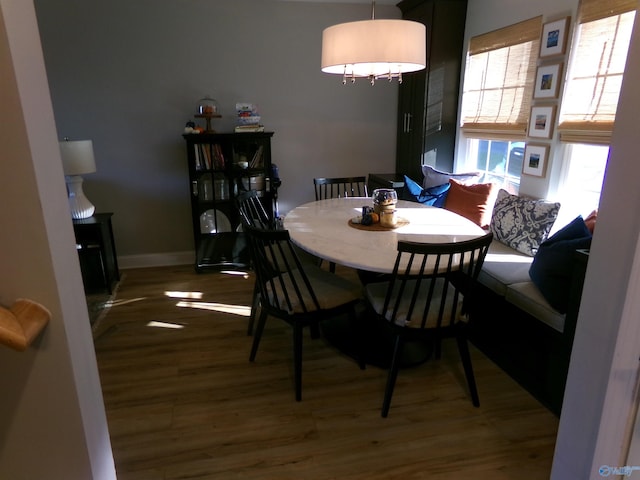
(374, 49)
(77, 160)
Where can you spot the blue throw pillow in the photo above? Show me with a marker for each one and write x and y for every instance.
(435, 196)
(551, 268)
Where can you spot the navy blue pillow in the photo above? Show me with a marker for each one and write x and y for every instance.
(551, 268)
(435, 196)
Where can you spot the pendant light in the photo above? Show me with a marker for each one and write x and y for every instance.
(374, 49)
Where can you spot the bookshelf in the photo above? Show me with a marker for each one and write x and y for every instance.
(222, 165)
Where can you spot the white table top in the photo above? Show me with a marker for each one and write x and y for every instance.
(322, 229)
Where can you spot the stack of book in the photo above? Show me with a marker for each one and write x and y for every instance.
(248, 118)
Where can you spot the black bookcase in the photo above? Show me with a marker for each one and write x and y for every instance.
(222, 165)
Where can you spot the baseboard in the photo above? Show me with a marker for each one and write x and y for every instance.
(156, 260)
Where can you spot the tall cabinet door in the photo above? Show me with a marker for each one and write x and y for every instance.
(428, 100)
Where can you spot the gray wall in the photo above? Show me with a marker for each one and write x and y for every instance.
(51, 404)
(128, 75)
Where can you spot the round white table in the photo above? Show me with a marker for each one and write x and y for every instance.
(322, 229)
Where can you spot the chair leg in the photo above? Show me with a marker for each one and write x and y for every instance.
(393, 375)
(254, 309)
(258, 335)
(297, 359)
(357, 325)
(463, 348)
(332, 267)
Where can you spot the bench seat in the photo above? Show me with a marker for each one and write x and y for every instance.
(506, 272)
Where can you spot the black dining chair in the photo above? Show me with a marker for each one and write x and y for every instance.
(431, 287)
(252, 212)
(325, 188)
(340, 187)
(300, 294)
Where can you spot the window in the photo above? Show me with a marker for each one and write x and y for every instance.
(590, 101)
(499, 79)
(498, 87)
(595, 74)
(583, 170)
(500, 161)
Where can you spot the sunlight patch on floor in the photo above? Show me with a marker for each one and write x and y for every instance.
(177, 294)
(156, 324)
(241, 310)
(239, 273)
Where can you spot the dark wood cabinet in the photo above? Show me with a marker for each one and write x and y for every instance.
(221, 165)
(428, 99)
(386, 180)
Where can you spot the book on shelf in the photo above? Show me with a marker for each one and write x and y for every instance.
(218, 156)
(197, 160)
(256, 160)
(206, 155)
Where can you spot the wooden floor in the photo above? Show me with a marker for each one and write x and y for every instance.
(184, 402)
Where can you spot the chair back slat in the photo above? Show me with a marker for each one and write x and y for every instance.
(279, 271)
(252, 211)
(340, 187)
(429, 280)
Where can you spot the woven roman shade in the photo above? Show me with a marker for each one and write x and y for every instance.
(597, 67)
(499, 80)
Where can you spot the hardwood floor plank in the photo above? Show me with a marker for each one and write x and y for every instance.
(184, 402)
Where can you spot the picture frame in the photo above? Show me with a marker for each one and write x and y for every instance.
(535, 160)
(548, 81)
(554, 37)
(541, 121)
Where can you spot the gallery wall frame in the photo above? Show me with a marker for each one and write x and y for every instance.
(554, 37)
(536, 157)
(541, 121)
(548, 79)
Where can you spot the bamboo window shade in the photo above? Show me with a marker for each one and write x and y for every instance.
(499, 80)
(597, 67)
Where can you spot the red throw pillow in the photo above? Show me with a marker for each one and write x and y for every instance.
(474, 202)
(590, 221)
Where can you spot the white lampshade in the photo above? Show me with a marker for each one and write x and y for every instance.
(374, 48)
(77, 157)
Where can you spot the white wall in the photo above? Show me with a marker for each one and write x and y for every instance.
(601, 389)
(129, 75)
(52, 421)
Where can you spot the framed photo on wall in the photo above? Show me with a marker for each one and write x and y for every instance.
(548, 81)
(541, 121)
(554, 37)
(535, 160)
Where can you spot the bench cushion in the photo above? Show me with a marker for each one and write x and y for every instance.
(527, 297)
(504, 266)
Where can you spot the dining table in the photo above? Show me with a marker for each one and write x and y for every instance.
(326, 229)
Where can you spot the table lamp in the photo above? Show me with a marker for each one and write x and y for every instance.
(77, 160)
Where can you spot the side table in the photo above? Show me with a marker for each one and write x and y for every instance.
(97, 252)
